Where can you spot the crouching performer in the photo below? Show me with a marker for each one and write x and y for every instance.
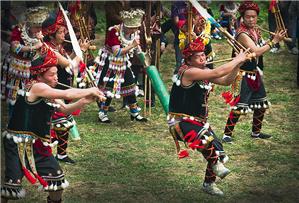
(27, 143)
(188, 110)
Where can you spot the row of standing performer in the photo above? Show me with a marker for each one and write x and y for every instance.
(37, 63)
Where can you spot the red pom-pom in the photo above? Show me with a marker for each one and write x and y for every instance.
(181, 23)
(235, 101)
(189, 137)
(227, 96)
(77, 112)
(197, 144)
(183, 154)
(53, 133)
(82, 67)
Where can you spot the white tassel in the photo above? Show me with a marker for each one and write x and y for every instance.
(55, 187)
(51, 187)
(4, 133)
(14, 194)
(66, 183)
(206, 125)
(20, 140)
(22, 193)
(178, 82)
(2, 192)
(15, 139)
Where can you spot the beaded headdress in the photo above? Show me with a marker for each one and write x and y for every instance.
(35, 16)
(132, 18)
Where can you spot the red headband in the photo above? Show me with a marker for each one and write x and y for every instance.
(43, 63)
(195, 46)
(248, 5)
(50, 26)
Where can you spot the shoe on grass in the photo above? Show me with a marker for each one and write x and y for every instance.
(260, 136)
(66, 159)
(227, 139)
(294, 51)
(212, 189)
(220, 170)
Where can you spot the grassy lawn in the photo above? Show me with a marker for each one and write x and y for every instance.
(132, 162)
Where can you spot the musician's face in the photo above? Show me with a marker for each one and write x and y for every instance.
(35, 29)
(60, 34)
(250, 18)
(198, 59)
(131, 30)
(49, 77)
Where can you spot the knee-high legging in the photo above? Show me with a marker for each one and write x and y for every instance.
(258, 116)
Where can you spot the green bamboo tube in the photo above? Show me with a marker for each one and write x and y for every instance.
(157, 82)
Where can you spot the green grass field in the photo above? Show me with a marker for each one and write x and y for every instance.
(133, 162)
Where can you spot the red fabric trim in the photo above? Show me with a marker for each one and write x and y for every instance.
(183, 154)
(112, 38)
(41, 180)
(28, 175)
(16, 34)
(254, 84)
(42, 149)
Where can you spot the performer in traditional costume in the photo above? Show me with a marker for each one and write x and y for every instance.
(54, 30)
(114, 75)
(27, 141)
(188, 110)
(249, 93)
(25, 40)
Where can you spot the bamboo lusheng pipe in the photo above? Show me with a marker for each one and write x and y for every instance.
(248, 57)
(190, 27)
(287, 39)
(63, 85)
(237, 46)
(91, 47)
(279, 21)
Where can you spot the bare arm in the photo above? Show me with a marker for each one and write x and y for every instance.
(43, 90)
(227, 79)
(69, 108)
(215, 75)
(246, 41)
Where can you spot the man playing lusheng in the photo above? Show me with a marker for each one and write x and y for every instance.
(27, 139)
(188, 109)
(250, 93)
